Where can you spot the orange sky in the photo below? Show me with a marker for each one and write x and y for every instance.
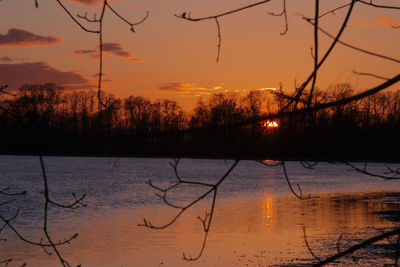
(173, 58)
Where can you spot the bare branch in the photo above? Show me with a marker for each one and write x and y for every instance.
(206, 221)
(74, 19)
(300, 195)
(358, 246)
(187, 16)
(314, 78)
(370, 74)
(354, 47)
(5, 192)
(125, 20)
(299, 91)
(2, 90)
(219, 39)
(45, 217)
(283, 13)
(308, 246)
(332, 11)
(370, 3)
(85, 17)
(394, 176)
(308, 165)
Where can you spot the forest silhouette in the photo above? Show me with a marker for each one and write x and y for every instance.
(46, 119)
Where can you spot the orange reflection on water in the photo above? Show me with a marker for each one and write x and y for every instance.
(268, 211)
(246, 231)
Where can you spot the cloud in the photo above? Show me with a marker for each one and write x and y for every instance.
(16, 75)
(18, 37)
(267, 89)
(85, 52)
(98, 74)
(5, 59)
(378, 22)
(175, 87)
(89, 2)
(116, 49)
(189, 89)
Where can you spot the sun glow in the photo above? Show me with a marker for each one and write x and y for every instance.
(271, 124)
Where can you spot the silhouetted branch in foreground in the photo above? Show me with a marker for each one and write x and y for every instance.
(206, 220)
(312, 76)
(212, 189)
(100, 22)
(370, 3)
(308, 245)
(7, 194)
(371, 75)
(284, 14)
(4, 92)
(187, 16)
(48, 242)
(345, 252)
(352, 46)
(298, 194)
(390, 173)
(99, 31)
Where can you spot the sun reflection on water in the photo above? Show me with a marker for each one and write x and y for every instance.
(268, 211)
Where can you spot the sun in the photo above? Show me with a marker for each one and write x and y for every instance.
(271, 124)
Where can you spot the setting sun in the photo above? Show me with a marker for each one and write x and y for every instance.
(271, 124)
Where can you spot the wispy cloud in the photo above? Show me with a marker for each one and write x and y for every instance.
(16, 75)
(267, 89)
(18, 37)
(377, 22)
(96, 75)
(85, 52)
(189, 89)
(5, 59)
(116, 49)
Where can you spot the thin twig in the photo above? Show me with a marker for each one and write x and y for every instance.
(395, 176)
(314, 78)
(187, 16)
(300, 90)
(283, 13)
(358, 246)
(219, 39)
(371, 75)
(308, 246)
(206, 222)
(354, 47)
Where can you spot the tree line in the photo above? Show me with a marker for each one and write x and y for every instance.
(47, 107)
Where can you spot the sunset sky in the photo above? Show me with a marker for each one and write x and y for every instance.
(168, 57)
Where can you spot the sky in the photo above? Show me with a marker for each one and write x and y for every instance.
(168, 57)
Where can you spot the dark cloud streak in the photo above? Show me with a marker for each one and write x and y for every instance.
(16, 75)
(18, 37)
(5, 59)
(116, 49)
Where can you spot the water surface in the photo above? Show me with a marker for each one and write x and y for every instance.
(257, 221)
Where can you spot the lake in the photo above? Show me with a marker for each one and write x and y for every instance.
(257, 220)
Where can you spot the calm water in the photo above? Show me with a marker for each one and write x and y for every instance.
(257, 221)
